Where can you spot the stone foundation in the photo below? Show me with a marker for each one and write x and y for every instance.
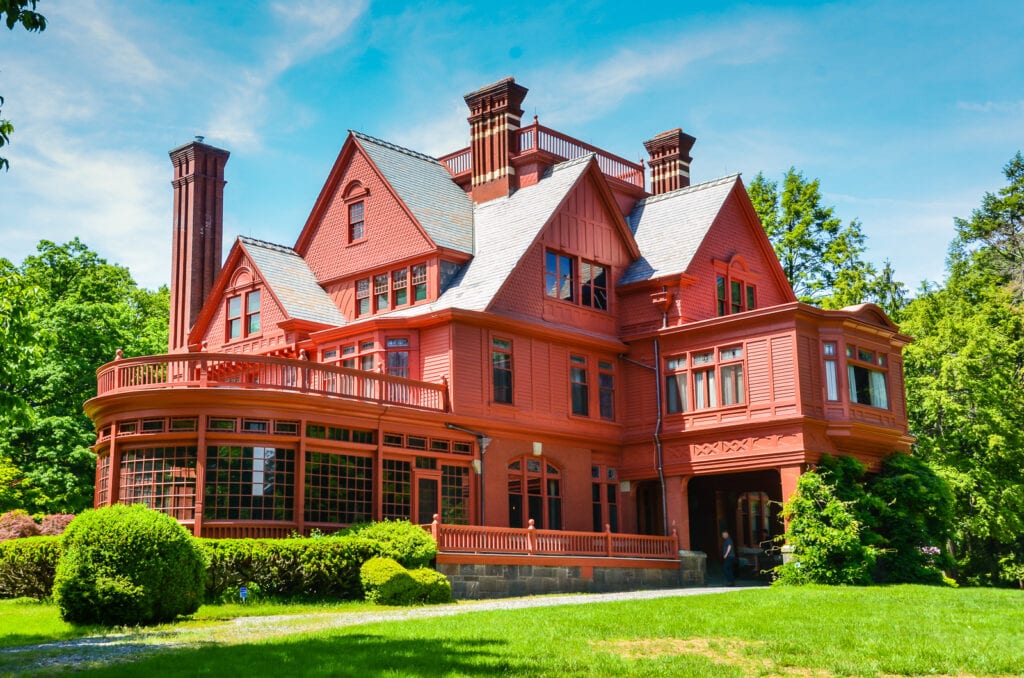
(474, 581)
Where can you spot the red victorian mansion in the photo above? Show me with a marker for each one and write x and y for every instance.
(517, 331)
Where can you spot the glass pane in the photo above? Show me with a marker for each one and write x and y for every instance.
(234, 306)
(831, 380)
(252, 301)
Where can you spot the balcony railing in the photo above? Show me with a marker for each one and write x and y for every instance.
(530, 541)
(536, 137)
(229, 370)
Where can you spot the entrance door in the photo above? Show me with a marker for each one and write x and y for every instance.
(428, 499)
(649, 516)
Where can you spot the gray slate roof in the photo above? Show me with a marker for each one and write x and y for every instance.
(505, 229)
(442, 208)
(670, 227)
(288, 275)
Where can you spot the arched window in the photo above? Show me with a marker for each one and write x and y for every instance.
(534, 491)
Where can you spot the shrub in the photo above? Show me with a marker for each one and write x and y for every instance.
(409, 544)
(825, 537)
(27, 567)
(283, 568)
(17, 524)
(127, 565)
(433, 587)
(386, 582)
(55, 524)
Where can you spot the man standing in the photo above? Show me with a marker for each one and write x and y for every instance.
(728, 559)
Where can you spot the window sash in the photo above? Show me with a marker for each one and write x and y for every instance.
(356, 223)
(831, 380)
(676, 395)
(732, 384)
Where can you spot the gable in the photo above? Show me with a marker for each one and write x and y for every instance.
(390, 231)
(239, 278)
(737, 248)
(586, 228)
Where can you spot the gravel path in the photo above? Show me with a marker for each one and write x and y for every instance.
(93, 650)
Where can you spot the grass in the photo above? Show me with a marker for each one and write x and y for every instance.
(900, 630)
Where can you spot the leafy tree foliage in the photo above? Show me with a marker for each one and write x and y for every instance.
(13, 13)
(65, 312)
(822, 258)
(825, 535)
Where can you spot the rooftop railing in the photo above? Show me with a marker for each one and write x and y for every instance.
(536, 137)
(229, 370)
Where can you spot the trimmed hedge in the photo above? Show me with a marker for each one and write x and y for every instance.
(386, 582)
(409, 544)
(286, 568)
(27, 566)
(128, 565)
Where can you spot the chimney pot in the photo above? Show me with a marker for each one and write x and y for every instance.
(670, 160)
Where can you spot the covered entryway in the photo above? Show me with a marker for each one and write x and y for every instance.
(747, 505)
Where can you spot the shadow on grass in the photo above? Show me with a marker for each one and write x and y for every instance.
(341, 655)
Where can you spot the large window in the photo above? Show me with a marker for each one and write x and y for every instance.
(576, 280)
(534, 492)
(396, 500)
(249, 483)
(339, 488)
(389, 290)
(243, 320)
(455, 494)
(866, 370)
(704, 379)
(734, 296)
(579, 388)
(162, 478)
(501, 370)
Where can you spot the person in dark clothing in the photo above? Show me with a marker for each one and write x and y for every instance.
(729, 560)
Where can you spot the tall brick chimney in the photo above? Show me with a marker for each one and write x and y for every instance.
(494, 117)
(670, 160)
(198, 227)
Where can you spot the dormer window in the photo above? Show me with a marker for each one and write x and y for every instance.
(576, 280)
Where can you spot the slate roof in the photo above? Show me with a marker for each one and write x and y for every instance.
(288, 275)
(670, 227)
(442, 208)
(505, 229)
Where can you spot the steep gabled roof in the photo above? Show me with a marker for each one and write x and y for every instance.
(505, 229)
(670, 227)
(442, 208)
(292, 283)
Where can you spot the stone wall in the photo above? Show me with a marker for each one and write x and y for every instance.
(473, 581)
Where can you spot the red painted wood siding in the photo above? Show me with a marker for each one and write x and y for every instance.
(270, 336)
(391, 234)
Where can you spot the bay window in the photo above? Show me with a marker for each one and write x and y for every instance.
(866, 372)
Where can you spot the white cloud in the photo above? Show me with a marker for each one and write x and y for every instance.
(991, 106)
(306, 31)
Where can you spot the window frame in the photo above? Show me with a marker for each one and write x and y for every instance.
(705, 379)
(570, 278)
(875, 364)
(242, 318)
(502, 347)
(353, 234)
(579, 389)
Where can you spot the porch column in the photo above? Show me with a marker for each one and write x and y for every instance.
(677, 504)
(789, 476)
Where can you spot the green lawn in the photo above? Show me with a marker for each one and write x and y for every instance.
(903, 630)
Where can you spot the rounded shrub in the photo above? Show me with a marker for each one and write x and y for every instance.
(432, 586)
(386, 582)
(128, 565)
(27, 567)
(409, 544)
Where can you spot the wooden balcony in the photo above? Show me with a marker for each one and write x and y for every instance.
(510, 541)
(234, 371)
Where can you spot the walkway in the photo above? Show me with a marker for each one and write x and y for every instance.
(124, 647)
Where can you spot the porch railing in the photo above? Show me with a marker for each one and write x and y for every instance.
(229, 370)
(531, 541)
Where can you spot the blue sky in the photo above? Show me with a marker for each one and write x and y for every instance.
(906, 111)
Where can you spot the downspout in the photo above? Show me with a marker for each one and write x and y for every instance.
(657, 438)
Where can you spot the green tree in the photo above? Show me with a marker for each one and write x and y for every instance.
(997, 227)
(76, 311)
(13, 13)
(822, 258)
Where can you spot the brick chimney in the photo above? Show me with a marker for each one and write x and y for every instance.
(198, 226)
(670, 160)
(494, 117)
